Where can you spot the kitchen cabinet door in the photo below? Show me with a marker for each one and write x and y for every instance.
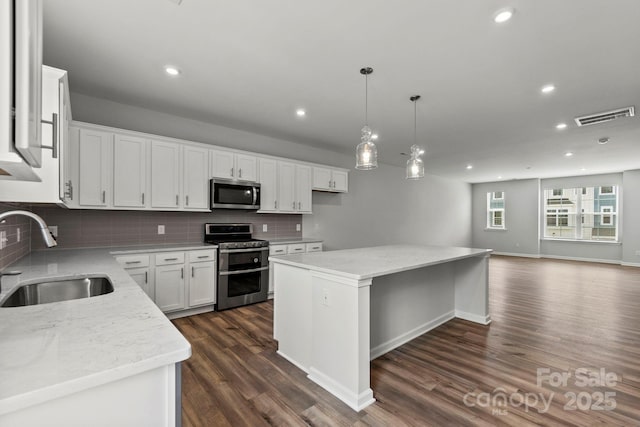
(196, 178)
(247, 167)
(129, 171)
(303, 189)
(202, 283)
(165, 175)
(170, 287)
(95, 168)
(142, 277)
(340, 181)
(322, 179)
(286, 187)
(268, 185)
(222, 164)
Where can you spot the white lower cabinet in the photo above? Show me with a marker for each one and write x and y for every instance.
(176, 281)
(289, 249)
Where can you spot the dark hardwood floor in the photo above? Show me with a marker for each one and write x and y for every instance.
(547, 314)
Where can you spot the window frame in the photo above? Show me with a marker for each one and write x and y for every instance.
(491, 212)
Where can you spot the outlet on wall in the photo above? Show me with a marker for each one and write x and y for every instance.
(160, 229)
(298, 227)
(265, 227)
(3, 239)
(18, 234)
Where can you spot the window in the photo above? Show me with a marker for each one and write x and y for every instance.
(495, 210)
(583, 213)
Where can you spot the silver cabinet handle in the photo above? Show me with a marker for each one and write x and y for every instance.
(54, 135)
(69, 192)
(275, 204)
(299, 206)
(133, 262)
(143, 198)
(104, 196)
(182, 273)
(240, 173)
(193, 272)
(177, 200)
(293, 206)
(231, 171)
(203, 256)
(315, 247)
(146, 277)
(187, 200)
(171, 259)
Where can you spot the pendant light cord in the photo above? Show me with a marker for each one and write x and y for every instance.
(366, 99)
(415, 122)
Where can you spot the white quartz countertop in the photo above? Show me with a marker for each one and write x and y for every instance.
(366, 263)
(52, 350)
(292, 240)
(123, 250)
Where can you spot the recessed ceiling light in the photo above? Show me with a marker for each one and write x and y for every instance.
(469, 167)
(583, 169)
(603, 140)
(568, 154)
(503, 15)
(547, 88)
(561, 126)
(499, 176)
(300, 112)
(374, 136)
(171, 70)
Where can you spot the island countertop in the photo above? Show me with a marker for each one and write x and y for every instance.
(52, 350)
(366, 263)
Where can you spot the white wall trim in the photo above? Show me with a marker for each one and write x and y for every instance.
(189, 312)
(570, 258)
(517, 254)
(630, 264)
(355, 402)
(396, 342)
(483, 320)
(296, 364)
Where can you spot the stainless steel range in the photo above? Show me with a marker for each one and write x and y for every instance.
(243, 266)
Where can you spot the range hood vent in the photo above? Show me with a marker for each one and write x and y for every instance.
(607, 116)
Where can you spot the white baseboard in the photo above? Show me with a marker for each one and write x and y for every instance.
(357, 402)
(396, 342)
(630, 264)
(571, 258)
(483, 320)
(290, 360)
(516, 254)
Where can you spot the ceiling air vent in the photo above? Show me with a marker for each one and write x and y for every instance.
(607, 116)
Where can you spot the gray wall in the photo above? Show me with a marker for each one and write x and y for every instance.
(630, 210)
(521, 217)
(381, 206)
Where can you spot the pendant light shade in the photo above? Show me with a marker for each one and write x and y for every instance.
(366, 152)
(415, 165)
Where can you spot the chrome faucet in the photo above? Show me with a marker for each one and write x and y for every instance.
(46, 234)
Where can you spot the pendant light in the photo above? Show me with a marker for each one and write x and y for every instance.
(415, 165)
(366, 152)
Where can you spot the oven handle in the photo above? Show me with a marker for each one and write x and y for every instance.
(253, 270)
(235, 251)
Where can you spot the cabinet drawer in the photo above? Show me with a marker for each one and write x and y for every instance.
(314, 247)
(278, 250)
(297, 248)
(200, 256)
(133, 261)
(167, 258)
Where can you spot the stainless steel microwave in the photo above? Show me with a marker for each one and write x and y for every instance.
(233, 194)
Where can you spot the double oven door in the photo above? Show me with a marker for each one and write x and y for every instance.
(243, 277)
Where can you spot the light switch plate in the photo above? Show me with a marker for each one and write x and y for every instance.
(3, 239)
(298, 227)
(265, 227)
(18, 234)
(160, 229)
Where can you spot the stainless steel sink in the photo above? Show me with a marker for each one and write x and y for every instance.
(58, 290)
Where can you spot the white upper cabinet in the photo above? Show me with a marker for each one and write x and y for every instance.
(95, 156)
(196, 178)
(165, 175)
(286, 187)
(303, 189)
(230, 165)
(268, 184)
(130, 171)
(326, 179)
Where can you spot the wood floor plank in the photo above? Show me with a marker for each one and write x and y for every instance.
(557, 315)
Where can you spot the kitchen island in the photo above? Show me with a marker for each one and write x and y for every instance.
(107, 360)
(337, 310)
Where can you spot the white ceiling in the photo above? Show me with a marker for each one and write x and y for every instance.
(248, 64)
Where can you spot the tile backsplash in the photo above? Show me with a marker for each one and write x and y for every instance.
(13, 249)
(101, 228)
